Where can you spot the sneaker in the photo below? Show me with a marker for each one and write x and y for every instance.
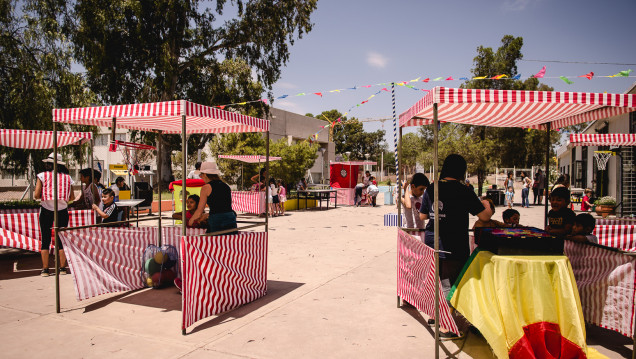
(63, 271)
(451, 336)
(44, 272)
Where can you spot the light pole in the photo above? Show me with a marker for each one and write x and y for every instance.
(322, 169)
(366, 155)
(348, 153)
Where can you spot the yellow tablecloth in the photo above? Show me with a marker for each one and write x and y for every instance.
(525, 306)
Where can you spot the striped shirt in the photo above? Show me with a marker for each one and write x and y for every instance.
(64, 183)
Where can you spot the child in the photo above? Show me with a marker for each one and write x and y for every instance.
(110, 212)
(490, 223)
(191, 206)
(586, 202)
(582, 229)
(412, 200)
(510, 194)
(372, 192)
(282, 196)
(90, 192)
(511, 217)
(560, 217)
(274, 191)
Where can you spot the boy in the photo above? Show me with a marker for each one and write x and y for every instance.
(560, 217)
(586, 202)
(110, 212)
(372, 191)
(412, 200)
(582, 229)
(510, 194)
(511, 217)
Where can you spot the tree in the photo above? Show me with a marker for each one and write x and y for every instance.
(147, 51)
(349, 136)
(35, 77)
(411, 151)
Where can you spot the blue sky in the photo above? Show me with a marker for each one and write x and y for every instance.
(365, 42)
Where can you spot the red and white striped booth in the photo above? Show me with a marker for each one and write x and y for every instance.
(40, 140)
(603, 139)
(110, 255)
(622, 237)
(343, 177)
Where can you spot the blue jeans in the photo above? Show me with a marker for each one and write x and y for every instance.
(525, 202)
(220, 221)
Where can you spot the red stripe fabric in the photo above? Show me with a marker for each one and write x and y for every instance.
(416, 278)
(603, 139)
(164, 116)
(249, 159)
(507, 108)
(221, 273)
(63, 187)
(607, 288)
(38, 140)
(250, 202)
(354, 163)
(617, 236)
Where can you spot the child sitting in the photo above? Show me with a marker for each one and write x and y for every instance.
(511, 217)
(586, 202)
(490, 223)
(510, 195)
(412, 200)
(372, 192)
(560, 217)
(582, 229)
(110, 212)
(191, 206)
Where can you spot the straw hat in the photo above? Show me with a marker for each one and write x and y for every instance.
(208, 168)
(51, 157)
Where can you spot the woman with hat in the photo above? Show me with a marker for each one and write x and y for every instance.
(218, 196)
(45, 192)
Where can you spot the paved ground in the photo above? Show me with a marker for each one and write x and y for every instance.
(331, 294)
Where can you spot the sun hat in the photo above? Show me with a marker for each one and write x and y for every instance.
(51, 157)
(208, 168)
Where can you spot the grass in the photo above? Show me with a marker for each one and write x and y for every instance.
(166, 195)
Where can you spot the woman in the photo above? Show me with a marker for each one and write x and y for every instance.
(525, 192)
(45, 192)
(218, 196)
(90, 193)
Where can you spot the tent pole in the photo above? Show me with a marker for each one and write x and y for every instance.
(436, 224)
(159, 143)
(267, 179)
(31, 186)
(90, 153)
(399, 183)
(55, 222)
(547, 173)
(184, 161)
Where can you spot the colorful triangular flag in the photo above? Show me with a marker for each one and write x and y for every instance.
(566, 80)
(588, 75)
(540, 74)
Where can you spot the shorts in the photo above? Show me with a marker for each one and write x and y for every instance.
(46, 224)
(275, 199)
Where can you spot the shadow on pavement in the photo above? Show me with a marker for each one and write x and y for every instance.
(609, 339)
(16, 263)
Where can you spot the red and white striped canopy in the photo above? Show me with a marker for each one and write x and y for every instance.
(39, 140)
(507, 108)
(163, 116)
(603, 139)
(248, 159)
(355, 163)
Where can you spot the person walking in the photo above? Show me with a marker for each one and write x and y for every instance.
(45, 192)
(525, 191)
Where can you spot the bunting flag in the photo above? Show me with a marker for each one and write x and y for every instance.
(438, 79)
(450, 78)
(588, 76)
(565, 79)
(540, 74)
(426, 80)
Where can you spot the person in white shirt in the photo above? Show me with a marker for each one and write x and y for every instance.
(194, 173)
(412, 200)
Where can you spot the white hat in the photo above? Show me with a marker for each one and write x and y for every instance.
(208, 168)
(51, 159)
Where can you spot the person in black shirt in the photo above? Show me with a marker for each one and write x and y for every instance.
(218, 196)
(110, 212)
(560, 217)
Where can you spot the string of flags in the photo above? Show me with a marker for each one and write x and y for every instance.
(409, 84)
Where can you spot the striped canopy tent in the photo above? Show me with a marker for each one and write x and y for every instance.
(355, 163)
(41, 140)
(169, 117)
(603, 139)
(505, 108)
(248, 158)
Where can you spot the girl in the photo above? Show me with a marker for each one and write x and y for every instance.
(90, 193)
(510, 182)
(274, 194)
(525, 192)
(282, 196)
(191, 207)
(44, 191)
(218, 196)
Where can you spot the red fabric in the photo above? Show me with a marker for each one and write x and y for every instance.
(584, 206)
(337, 180)
(543, 340)
(189, 183)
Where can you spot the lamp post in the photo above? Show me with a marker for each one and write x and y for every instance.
(366, 155)
(348, 153)
(322, 169)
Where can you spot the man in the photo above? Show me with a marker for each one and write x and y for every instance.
(542, 186)
(194, 174)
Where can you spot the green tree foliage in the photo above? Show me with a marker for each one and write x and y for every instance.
(411, 151)
(296, 158)
(35, 77)
(349, 136)
(203, 51)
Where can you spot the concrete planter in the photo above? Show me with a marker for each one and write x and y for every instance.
(605, 211)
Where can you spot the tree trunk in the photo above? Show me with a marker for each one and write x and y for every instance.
(166, 175)
(481, 172)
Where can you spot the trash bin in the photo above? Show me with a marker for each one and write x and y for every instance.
(496, 196)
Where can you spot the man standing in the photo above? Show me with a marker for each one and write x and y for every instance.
(542, 186)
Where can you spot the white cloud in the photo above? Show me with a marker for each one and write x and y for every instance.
(515, 5)
(375, 59)
(289, 106)
(286, 85)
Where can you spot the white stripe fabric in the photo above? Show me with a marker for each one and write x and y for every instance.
(172, 235)
(416, 278)
(622, 237)
(249, 202)
(39, 140)
(221, 273)
(603, 139)
(606, 288)
(345, 196)
(163, 116)
(508, 108)
(391, 220)
(616, 221)
(249, 159)
(22, 230)
(106, 260)
(64, 188)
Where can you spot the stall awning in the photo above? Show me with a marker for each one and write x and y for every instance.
(248, 159)
(163, 116)
(39, 140)
(603, 139)
(507, 108)
(355, 163)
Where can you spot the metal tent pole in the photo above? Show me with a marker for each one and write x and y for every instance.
(184, 161)
(55, 221)
(399, 183)
(159, 143)
(90, 153)
(436, 224)
(267, 179)
(547, 173)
